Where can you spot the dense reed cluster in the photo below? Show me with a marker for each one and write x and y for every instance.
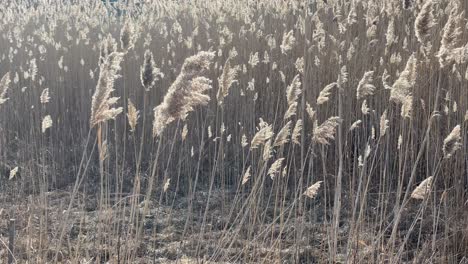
(213, 131)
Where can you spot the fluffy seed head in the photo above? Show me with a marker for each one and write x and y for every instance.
(423, 189)
(312, 191)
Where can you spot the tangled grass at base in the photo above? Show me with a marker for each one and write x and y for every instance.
(234, 131)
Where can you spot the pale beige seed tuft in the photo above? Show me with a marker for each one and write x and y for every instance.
(4, 85)
(133, 115)
(355, 125)
(291, 111)
(423, 189)
(452, 142)
(312, 191)
(46, 123)
(275, 168)
(13, 173)
(365, 86)
(261, 137)
(383, 123)
(184, 132)
(324, 133)
(246, 176)
(297, 132)
(45, 98)
(325, 93)
(228, 77)
(293, 90)
(283, 135)
(167, 184)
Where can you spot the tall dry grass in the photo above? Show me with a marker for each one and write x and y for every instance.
(241, 131)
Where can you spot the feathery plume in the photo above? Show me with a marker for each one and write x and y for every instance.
(275, 168)
(288, 42)
(149, 73)
(184, 132)
(13, 173)
(167, 184)
(246, 176)
(401, 89)
(283, 135)
(127, 36)
(4, 83)
(291, 111)
(310, 112)
(364, 108)
(45, 98)
(227, 78)
(383, 123)
(101, 105)
(185, 93)
(450, 37)
(355, 125)
(261, 136)
(132, 115)
(423, 189)
(293, 90)
(452, 142)
(325, 132)
(424, 22)
(46, 123)
(297, 132)
(325, 93)
(312, 191)
(267, 150)
(365, 87)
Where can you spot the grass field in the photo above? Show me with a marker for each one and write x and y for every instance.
(212, 131)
